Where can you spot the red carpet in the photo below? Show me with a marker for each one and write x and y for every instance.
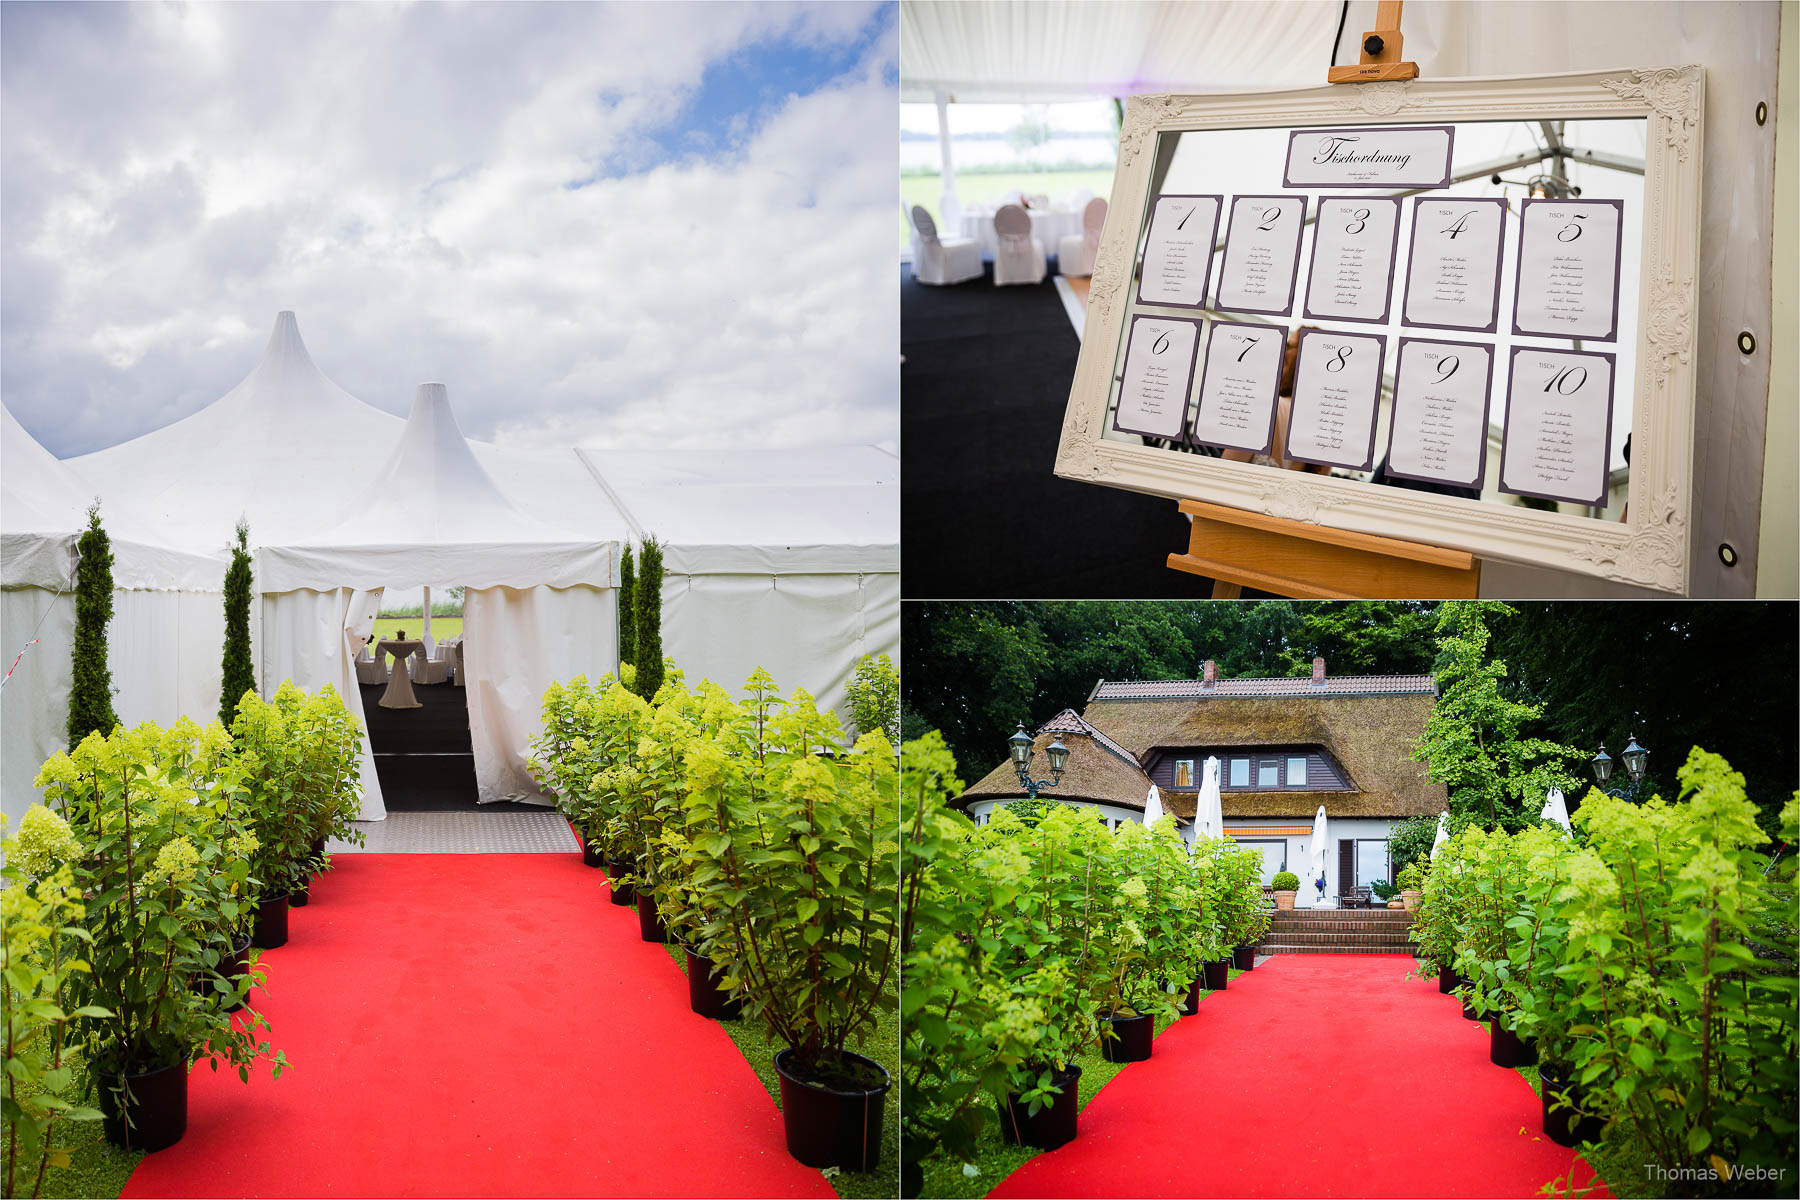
(479, 1025)
(1313, 1075)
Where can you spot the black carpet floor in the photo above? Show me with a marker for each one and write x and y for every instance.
(424, 757)
(982, 514)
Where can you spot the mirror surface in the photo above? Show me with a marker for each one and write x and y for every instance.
(1501, 161)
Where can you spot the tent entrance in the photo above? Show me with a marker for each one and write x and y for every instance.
(424, 757)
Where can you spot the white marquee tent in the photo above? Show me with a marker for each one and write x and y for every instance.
(787, 559)
(168, 615)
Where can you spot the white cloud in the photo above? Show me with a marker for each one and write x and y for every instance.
(396, 175)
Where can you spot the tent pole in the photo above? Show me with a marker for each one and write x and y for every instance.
(428, 620)
(949, 207)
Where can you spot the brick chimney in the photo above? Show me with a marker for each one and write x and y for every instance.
(1209, 674)
(1318, 679)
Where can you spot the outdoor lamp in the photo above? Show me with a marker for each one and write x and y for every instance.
(1059, 757)
(1020, 745)
(1636, 758)
(1602, 764)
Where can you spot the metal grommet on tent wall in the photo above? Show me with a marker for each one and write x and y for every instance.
(1728, 554)
(1762, 112)
(1746, 342)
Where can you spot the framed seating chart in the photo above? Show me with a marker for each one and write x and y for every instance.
(1451, 312)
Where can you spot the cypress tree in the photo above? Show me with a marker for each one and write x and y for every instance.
(627, 609)
(237, 674)
(90, 693)
(649, 618)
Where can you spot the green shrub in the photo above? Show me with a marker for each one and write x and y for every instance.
(90, 689)
(874, 694)
(237, 673)
(648, 635)
(1411, 877)
(1285, 881)
(627, 608)
(298, 758)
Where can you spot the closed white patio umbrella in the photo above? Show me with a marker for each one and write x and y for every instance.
(1443, 833)
(1153, 809)
(1555, 809)
(1316, 856)
(1209, 816)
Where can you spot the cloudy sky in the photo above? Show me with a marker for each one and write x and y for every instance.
(649, 224)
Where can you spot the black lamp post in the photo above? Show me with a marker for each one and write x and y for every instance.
(1636, 760)
(1019, 746)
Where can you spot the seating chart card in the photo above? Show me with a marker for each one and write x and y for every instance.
(1369, 157)
(1238, 386)
(1569, 255)
(1453, 276)
(1352, 274)
(1262, 255)
(1558, 425)
(1159, 369)
(1439, 431)
(1179, 251)
(1337, 386)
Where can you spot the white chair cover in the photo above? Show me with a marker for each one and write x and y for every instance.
(459, 679)
(1018, 257)
(431, 668)
(369, 669)
(941, 260)
(1075, 254)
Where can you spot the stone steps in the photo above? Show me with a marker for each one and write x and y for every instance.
(1339, 931)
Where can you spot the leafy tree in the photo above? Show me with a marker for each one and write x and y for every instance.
(1410, 840)
(237, 673)
(90, 693)
(1475, 742)
(627, 608)
(648, 603)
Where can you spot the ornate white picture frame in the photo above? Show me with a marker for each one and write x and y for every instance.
(1649, 549)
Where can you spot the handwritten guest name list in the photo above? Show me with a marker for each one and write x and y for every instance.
(1179, 251)
(1352, 272)
(1370, 156)
(1453, 278)
(1569, 269)
(1238, 385)
(1262, 254)
(1159, 366)
(1558, 425)
(1337, 383)
(1440, 412)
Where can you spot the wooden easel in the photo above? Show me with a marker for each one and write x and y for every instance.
(1239, 549)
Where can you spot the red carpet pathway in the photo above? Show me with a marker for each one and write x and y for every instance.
(1311, 1076)
(478, 1025)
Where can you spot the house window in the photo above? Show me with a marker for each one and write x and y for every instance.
(1184, 772)
(1240, 772)
(1268, 773)
(1296, 771)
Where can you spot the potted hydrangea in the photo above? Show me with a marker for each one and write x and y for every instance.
(1411, 879)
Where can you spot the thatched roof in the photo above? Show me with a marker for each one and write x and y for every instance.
(1099, 768)
(1369, 731)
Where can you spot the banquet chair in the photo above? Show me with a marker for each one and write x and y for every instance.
(1075, 253)
(369, 669)
(459, 664)
(1018, 257)
(942, 260)
(434, 668)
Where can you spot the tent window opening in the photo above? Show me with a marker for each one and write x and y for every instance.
(1268, 773)
(1296, 771)
(1240, 772)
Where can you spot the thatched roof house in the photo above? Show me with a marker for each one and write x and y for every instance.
(1286, 745)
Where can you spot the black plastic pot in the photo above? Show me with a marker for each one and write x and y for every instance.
(591, 855)
(615, 869)
(705, 996)
(152, 1115)
(650, 926)
(233, 967)
(912, 1179)
(832, 1126)
(1190, 1003)
(1469, 1013)
(318, 853)
(1507, 1049)
(1054, 1124)
(1244, 958)
(1134, 1040)
(1218, 974)
(1446, 980)
(298, 897)
(271, 926)
(1562, 1125)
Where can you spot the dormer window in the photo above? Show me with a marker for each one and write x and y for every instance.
(1184, 773)
(1296, 770)
(1240, 772)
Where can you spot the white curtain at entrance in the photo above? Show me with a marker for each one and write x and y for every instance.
(807, 630)
(516, 641)
(312, 637)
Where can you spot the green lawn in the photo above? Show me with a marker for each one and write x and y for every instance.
(882, 1045)
(95, 1168)
(441, 627)
(994, 1159)
(985, 189)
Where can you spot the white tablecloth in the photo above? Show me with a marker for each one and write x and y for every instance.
(1048, 226)
(399, 692)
